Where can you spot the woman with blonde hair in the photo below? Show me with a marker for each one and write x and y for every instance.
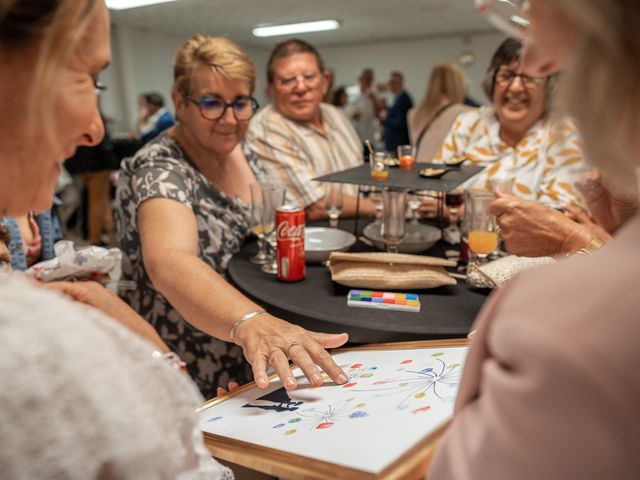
(441, 104)
(183, 208)
(550, 388)
(81, 395)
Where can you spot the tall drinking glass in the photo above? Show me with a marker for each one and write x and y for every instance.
(483, 235)
(393, 223)
(255, 223)
(334, 203)
(272, 198)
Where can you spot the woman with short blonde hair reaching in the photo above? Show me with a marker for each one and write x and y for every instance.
(441, 104)
(183, 208)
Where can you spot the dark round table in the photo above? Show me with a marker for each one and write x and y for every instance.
(317, 303)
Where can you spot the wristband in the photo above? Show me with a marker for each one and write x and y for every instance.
(243, 319)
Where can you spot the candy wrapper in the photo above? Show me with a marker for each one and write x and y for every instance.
(95, 263)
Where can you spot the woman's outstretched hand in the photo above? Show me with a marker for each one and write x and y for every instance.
(267, 340)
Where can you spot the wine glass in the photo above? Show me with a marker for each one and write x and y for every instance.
(393, 223)
(414, 202)
(255, 223)
(334, 203)
(483, 235)
(272, 198)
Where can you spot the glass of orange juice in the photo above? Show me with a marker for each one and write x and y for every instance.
(379, 166)
(483, 234)
(406, 156)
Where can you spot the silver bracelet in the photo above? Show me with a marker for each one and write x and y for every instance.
(243, 319)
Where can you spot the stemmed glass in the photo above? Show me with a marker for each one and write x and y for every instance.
(272, 198)
(393, 223)
(255, 224)
(414, 202)
(483, 234)
(334, 203)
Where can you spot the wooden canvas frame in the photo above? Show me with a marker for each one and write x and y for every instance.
(412, 464)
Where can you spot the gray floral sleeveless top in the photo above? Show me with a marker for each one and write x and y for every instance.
(162, 169)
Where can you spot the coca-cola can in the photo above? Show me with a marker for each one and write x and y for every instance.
(290, 239)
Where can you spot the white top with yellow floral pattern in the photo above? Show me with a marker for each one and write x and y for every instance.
(544, 165)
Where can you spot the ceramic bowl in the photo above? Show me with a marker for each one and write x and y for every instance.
(319, 242)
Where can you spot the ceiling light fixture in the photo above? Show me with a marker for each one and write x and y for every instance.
(293, 28)
(125, 4)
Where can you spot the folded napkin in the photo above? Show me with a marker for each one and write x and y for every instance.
(495, 274)
(395, 271)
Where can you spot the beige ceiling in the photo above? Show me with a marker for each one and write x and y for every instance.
(362, 20)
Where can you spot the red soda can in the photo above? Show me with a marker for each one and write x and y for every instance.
(290, 243)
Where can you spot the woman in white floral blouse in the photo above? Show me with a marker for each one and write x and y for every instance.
(519, 137)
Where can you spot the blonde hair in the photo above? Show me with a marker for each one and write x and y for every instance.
(446, 82)
(600, 87)
(55, 29)
(224, 56)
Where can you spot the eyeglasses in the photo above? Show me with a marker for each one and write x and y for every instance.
(504, 79)
(310, 80)
(213, 107)
(509, 16)
(99, 86)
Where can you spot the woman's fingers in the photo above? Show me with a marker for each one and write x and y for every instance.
(323, 359)
(278, 360)
(259, 368)
(329, 340)
(298, 354)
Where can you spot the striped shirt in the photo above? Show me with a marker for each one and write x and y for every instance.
(293, 153)
(544, 165)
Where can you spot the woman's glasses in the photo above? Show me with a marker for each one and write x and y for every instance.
(504, 79)
(213, 107)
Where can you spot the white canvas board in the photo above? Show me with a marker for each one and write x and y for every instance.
(394, 398)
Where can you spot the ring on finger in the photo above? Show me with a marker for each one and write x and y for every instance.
(293, 344)
(275, 350)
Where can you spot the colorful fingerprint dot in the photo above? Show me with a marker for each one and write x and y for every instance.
(404, 384)
(295, 420)
(324, 425)
(290, 432)
(419, 395)
(280, 425)
(214, 419)
(426, 370)
(359, 414)
(379, 382)
(373, 368)
(438, 354)
(349, 385)
(421, 409)
(360, 405)
(404, 362)
(454, 365)
(366, 375)
(403, 407)
(356, 365)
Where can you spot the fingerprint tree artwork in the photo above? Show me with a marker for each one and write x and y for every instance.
(321, 418)
(435, 380)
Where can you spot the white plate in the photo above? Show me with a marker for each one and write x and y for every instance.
(419, 237)
(319, 242)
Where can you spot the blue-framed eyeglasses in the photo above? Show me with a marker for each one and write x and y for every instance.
(213, 107)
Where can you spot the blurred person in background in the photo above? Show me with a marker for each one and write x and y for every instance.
(153, 117)
(430, 121)
(396, 130)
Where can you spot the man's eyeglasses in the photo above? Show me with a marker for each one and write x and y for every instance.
(213, 107)
(310, 80)
(509, 16)
(504, 78)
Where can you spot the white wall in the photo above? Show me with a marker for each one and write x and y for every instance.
(142, 61)
(414, 58)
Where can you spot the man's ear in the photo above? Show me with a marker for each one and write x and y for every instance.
(326, 81)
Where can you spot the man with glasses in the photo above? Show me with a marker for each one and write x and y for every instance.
(297, 137)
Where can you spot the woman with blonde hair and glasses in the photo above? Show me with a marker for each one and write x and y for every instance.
(82, 396)
(441, 104)
(183, 208)
(550, 388)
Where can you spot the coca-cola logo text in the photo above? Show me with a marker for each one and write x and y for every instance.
(286, 231)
